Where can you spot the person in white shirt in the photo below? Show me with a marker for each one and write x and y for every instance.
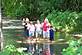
(31, 29)
(38, 28)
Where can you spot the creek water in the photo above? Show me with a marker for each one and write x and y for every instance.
(45, 49)
(41, 49)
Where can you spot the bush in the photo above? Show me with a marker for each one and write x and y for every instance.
(74, 48)
(12, 50)
(66, 21)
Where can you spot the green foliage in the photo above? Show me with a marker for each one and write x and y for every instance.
(13, 8)
(74, 48)
(63, 13)
(66, 21)
(12, 50)
(37, 8)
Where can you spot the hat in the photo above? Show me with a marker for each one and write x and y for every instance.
(27, 19)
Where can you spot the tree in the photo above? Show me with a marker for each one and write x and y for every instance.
(37, 8)
(1, 34)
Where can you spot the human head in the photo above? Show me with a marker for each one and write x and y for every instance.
(46, 20)
(31, 22)
(51, 26)
(38, 21)
(23, 19)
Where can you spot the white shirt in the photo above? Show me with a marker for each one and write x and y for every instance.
(28, 26)
(38, 26)
(31, 28)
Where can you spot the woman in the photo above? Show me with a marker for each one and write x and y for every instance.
(38, 28)
(46, 27)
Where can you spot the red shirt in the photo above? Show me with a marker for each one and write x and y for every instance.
(45, 26)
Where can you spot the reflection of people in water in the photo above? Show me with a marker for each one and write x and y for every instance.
(46, 49)
(52, 49)
(37, 49)
(31, 48)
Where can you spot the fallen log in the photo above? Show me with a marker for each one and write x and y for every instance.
(78, 36)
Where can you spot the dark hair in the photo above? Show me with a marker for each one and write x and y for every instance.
(51, 26)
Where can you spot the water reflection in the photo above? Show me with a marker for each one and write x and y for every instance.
(41, 49)
(46, 49)
(52, 50)
(31, 48)
(37, 49)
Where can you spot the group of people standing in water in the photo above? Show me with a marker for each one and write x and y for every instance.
(38, 29)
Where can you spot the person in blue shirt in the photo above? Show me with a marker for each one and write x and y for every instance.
(51, 33)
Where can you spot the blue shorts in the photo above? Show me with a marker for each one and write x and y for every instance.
(31, 33)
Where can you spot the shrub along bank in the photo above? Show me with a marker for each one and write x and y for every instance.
(66, 21)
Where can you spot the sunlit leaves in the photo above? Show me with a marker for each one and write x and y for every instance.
(67, 21)
(12, 50)
(38, 8)
(74, 48)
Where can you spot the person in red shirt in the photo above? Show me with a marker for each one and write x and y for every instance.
(45, 28)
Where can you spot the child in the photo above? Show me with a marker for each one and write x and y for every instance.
(31, 30)
(38, 28)
(51, 33)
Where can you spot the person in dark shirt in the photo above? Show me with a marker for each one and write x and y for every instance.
(51, 33)
(25, 22)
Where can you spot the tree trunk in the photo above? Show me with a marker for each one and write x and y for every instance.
(1, 34)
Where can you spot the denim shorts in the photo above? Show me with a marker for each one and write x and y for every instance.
(31, 33)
